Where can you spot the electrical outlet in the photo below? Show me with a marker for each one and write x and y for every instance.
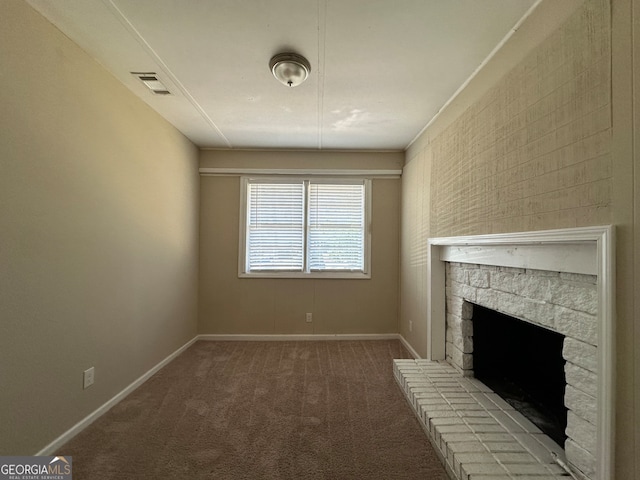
(411, 325)
(88, 377)
(309, 317)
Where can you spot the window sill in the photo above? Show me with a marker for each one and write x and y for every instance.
(314, 275)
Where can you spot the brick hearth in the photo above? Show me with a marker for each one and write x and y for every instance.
(477, 434)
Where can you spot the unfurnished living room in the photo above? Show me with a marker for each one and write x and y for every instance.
(320, 239)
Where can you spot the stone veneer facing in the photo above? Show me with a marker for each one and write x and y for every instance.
(566, 303)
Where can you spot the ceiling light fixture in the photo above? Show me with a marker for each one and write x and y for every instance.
(290, 69)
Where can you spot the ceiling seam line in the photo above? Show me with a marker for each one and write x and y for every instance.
(164, 67)
(322, 25)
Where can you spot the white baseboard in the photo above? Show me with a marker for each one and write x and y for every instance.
(93, 416)
(408, 347)
(297, 337)
(51, 448)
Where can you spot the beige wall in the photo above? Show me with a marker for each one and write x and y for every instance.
(630, 277)
(98, 242)
(626, 217)
(541, 140)
(99, 222)
(232, 305)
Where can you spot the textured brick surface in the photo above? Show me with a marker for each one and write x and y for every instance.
(580, 457)
(479, 436)
(558, 302)
(565, 303)
(581, 378)
(535, 151)
(532, 153)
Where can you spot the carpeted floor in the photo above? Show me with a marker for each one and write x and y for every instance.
(263, 410)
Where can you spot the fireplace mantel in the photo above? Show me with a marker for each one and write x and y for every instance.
(587, 250)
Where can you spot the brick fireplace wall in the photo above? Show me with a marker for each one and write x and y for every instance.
(534, 152)
(541, 138)
(566, 303)
(531, 151)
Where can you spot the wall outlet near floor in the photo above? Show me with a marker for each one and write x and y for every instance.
(411, 325)
(308, 317)
(88, 377)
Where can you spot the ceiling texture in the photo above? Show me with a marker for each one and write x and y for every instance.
(380, 69)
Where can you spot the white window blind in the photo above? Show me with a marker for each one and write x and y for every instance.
(336, 226)
(305, 227)
(275, 226)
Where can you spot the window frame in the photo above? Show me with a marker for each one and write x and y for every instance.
(306, 273)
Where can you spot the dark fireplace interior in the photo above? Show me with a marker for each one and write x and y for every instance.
(523, 364)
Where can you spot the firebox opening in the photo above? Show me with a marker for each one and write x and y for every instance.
(523, 364)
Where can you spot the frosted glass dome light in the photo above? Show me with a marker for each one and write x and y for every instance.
(290, 69)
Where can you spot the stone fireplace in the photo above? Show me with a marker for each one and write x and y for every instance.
(561, 302)
(560, 281)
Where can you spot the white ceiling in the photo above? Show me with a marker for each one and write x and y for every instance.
(380, 69)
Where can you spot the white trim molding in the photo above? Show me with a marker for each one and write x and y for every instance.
(220, 337)
(305, 272)
(577, 250)
(97, 413)
(52, 447)
(410, 349)
(364, 173)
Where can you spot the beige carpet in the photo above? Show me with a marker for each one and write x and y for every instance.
(263, 410)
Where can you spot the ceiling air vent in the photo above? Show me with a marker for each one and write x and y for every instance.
(151, 81)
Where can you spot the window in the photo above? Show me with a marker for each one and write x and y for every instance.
(293, 227)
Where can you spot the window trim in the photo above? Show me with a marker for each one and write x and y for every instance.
(242, 247)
